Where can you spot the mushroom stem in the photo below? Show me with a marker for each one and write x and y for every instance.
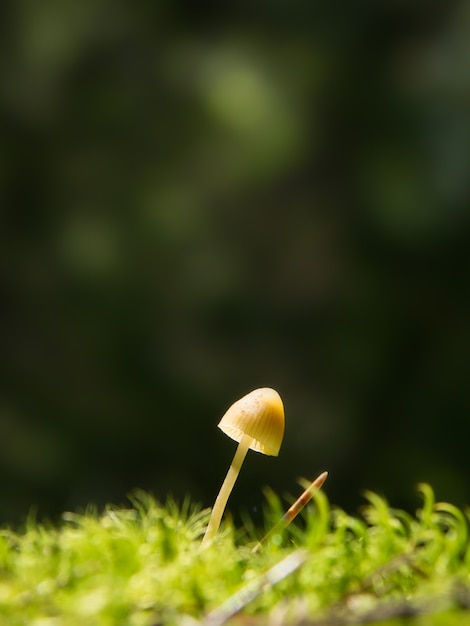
(227, 486)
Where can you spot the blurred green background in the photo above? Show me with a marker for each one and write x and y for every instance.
(198, 199)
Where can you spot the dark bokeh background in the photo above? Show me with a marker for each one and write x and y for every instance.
(198, 199)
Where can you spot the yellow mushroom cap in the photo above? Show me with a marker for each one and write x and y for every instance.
(259, 414)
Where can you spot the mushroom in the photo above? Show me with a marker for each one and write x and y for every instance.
(256, 421)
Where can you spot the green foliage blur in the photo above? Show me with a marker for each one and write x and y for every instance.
(198, 199)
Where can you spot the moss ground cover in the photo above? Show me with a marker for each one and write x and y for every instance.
(145, 565)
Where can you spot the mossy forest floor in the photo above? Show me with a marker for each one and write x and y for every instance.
(144, 566)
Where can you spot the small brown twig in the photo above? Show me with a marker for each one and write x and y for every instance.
(295, 509)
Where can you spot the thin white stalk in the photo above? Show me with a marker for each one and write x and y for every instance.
(227, 486)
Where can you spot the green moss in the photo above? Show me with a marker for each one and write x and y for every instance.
(145, 565)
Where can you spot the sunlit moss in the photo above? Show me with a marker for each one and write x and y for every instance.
(146, 565)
